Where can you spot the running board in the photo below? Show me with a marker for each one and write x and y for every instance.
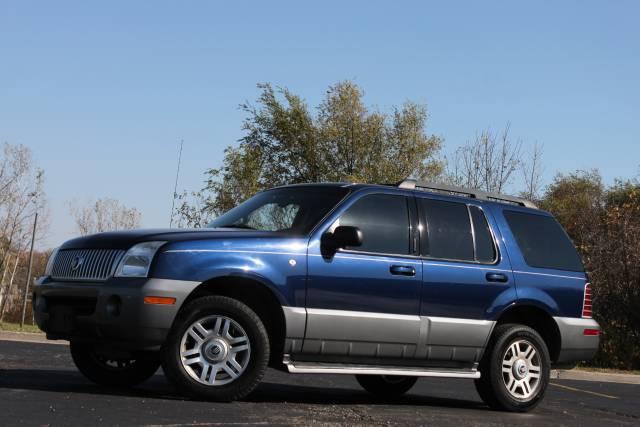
(337, 368)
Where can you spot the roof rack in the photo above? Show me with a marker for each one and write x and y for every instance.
(412, 184)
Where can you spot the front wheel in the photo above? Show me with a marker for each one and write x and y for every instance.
(386, 386)
(515, 369)
(110, 370)
(218, 349)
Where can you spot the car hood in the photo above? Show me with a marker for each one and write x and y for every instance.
(127, 238)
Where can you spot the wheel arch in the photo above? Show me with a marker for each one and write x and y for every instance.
(258, 296)
(538, 318)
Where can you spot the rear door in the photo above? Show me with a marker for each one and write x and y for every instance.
(467, 277)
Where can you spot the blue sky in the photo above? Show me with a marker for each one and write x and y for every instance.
(103, 92)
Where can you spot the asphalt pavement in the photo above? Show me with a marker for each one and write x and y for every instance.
(40, 386)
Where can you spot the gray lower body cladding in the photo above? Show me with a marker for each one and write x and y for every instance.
(319, 334)
(110, 312)
(363, 335)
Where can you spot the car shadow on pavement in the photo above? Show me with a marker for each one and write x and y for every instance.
(69, 381)
(290, 393)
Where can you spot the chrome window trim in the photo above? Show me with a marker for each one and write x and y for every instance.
(375, 254)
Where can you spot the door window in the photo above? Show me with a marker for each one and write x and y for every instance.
(485, 249)
(384, 222)
(455, 231)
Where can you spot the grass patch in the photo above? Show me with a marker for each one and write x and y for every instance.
(15, 327)
(606, 370)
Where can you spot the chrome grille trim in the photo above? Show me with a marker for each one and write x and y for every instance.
(98, 264)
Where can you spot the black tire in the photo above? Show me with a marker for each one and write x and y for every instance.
(250, 324)
(111, 371)
(492, 385)
(386, 386)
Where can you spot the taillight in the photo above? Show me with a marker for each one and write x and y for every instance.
(586, 303)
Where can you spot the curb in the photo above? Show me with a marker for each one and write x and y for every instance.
(28, 337)
(578, 375)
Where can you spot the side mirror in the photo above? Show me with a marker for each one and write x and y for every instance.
(342, 236)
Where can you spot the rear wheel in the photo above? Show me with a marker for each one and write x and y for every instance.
(388, 386)
(515, 370)
(218, 349)
(113, 370)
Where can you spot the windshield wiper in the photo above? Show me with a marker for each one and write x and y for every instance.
(243, 226)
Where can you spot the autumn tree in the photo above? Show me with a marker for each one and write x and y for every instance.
(604, 223)
(103, 215)
(286, 142)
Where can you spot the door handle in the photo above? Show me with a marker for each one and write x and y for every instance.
(497, 277)
(402, 270)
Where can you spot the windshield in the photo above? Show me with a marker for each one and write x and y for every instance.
(291, 209)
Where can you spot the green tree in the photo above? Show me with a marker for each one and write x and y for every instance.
(285, 143)
(576, 200)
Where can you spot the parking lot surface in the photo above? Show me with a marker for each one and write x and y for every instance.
(40, 386)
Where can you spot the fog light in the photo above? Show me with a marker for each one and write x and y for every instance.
(114, 303)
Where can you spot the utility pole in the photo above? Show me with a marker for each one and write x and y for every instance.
(175, 187)
(27, 284)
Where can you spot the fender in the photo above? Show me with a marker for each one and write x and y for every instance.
(283, 273)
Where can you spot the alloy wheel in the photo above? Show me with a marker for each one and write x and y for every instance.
(215, 350)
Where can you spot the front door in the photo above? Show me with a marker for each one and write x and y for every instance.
(364, 302)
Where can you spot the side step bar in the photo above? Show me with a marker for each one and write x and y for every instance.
(337, 368)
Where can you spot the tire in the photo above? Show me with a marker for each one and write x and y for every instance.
(386, 386)
(524, 354)
(225, 346)
(110, 371)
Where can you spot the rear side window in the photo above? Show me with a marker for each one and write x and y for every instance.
(384, 222)
(485, 249)
(455, 231)
(543, 242)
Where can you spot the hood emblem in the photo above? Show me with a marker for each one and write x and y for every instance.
(76, 263)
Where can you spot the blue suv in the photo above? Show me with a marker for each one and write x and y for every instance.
(386, 282)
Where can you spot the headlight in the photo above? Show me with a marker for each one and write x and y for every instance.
(52, 258)
(137, 261)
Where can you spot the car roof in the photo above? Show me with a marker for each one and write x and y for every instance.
(502, 204)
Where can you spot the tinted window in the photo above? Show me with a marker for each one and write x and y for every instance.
(384, 222)
(543, 242)
(485, 249)
(290, 209)
(448, 230)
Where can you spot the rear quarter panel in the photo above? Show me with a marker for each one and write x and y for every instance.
(559, 292)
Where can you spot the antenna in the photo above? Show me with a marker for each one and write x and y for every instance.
(175, 187)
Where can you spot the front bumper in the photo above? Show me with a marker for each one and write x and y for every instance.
(111, 312)
(575, 345)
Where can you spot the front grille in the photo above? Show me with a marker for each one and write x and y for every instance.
(86, 264)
